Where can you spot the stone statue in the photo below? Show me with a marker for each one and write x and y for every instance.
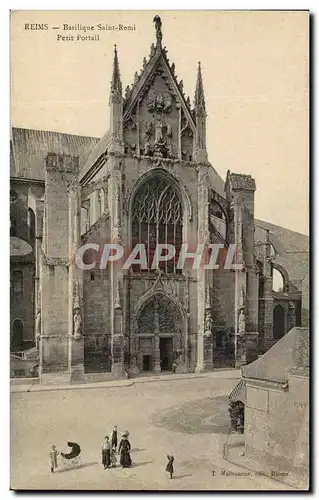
(158, 130)
(241, 322)
(144, 62)
(135, 77)
(173, 68)
(38, 324)
(158, 26)
(77, 324)
(169, 130)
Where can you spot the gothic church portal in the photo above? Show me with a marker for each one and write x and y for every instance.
(148, 180)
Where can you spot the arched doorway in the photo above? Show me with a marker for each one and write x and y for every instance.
(157, 217)
(160, 342)
(278, 322)
(16, 343)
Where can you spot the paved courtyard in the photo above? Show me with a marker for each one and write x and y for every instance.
(184, 417)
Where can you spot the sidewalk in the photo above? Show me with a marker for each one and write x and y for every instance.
(110, 384)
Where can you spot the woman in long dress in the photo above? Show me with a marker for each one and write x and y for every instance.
(124, 450)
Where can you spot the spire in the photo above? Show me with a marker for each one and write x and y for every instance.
(158, 28)
(116, 84)
(200, 116)
(116, 108)
(199, 93)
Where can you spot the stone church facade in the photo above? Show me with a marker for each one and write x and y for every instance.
(149, 181)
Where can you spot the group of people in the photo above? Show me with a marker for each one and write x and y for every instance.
(109, 450)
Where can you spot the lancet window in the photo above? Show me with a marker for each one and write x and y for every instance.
(157, 218)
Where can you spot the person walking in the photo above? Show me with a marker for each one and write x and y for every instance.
(169, 466)
(114, 438)
(124, 450)
(106, 452)
(53, 458)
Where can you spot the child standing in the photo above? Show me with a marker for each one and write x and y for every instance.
(169, 466)
(53, 458)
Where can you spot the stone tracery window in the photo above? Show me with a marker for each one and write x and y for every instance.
(157, 217)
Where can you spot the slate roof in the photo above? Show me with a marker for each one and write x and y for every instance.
(275, 364)
(29, 147)
(98, 150)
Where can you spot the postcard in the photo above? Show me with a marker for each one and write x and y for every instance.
(159, 318)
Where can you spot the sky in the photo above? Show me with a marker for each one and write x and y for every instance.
(255, 72)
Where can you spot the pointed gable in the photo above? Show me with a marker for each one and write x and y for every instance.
(158, 120)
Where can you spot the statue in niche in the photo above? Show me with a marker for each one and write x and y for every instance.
(38, 324)
(241, 322)
(167, 104)
(158, 130)
(169, 130)
(77, 323)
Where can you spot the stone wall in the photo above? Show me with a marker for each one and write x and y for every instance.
(276, 423)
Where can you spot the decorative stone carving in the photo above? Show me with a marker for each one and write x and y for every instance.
(241, 322)
(152, 50)
(148, 128)
(208, 322)
(77, 324)
(147, 150)
(158, 27)
(127, 91)
(144, 62)
(167, 104)
(159, 102)
(173, 69)
(117, 301)
(136, 78)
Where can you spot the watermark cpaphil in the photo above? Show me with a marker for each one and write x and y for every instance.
(211, 256)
